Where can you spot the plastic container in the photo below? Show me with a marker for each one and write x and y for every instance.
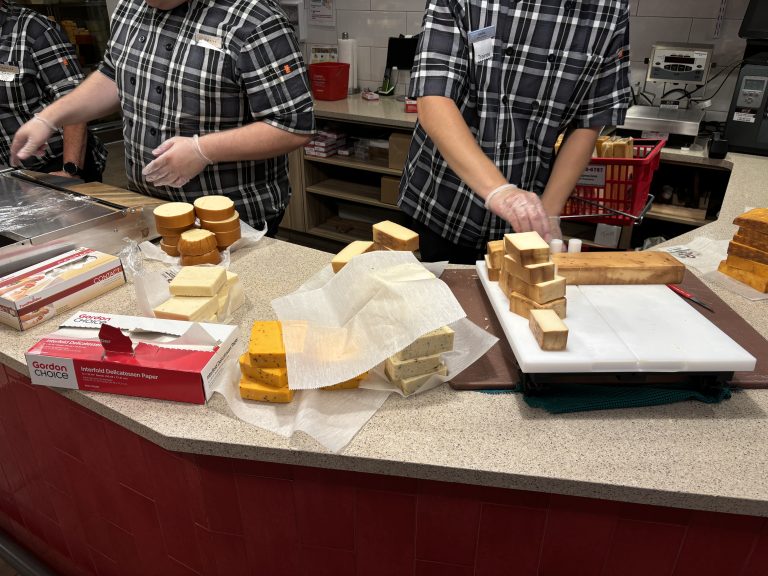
(616, 190)
(329, 80)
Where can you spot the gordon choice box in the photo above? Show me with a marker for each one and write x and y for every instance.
(56, 285)
(170, 359)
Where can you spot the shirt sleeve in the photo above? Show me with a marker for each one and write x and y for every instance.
(441, 65)
(609, 97)
(274, 77)
(56, 62)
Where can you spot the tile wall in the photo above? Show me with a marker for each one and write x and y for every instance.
(372, 22)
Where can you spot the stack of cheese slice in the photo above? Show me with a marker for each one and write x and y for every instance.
(747, 259)
(494, 259)
(528, 277)
(198, 246)
(201, 294)
(417, 362)
(171, 219)
(386, 236)
(263, 367)
(218, 214)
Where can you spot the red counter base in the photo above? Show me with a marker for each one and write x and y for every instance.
(89, 497)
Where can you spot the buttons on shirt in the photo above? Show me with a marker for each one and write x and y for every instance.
(132, 80)
(504, 99)
(509, 50)
(552, 57)
(159, 89)
(525, 142)
(169, 46)
(142, 38)
(535, 104)
(153, 131)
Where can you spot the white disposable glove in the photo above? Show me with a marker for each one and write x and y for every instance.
(523, 210)
(30, 139)
(177, 161)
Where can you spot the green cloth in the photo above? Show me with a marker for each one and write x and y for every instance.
(564, 398)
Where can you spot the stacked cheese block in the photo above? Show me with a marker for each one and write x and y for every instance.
(527, 277)
(386, 236)
(747, 259)
(219, 229)
(264, 370)
(419, 361)
(202, 294)
(218, 214)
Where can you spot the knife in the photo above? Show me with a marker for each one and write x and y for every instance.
(688, 296)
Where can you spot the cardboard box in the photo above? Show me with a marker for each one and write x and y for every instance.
(390, 190)
(170, 359)
(410, 106)
(398, 150)
(61, 283)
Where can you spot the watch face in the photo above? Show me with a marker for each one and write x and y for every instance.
(71, 168)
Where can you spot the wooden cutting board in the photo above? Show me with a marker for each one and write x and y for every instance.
(619, 268)
(115, 195)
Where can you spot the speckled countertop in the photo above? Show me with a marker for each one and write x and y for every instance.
(710, 457)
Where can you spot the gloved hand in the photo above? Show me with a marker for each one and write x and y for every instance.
(30, 140)
(177, 162)
(523, 210)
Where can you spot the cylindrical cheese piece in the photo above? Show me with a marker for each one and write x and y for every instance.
(226, 225)
(174, 215)
(169, 249)
(212, 257)
(171, 239)
(196, 242)
(163, 231)
(214, 208)
(226, 239)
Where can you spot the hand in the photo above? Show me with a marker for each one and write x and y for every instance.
(523, 210)
(29, 140)
(177, 162)
(61, 173)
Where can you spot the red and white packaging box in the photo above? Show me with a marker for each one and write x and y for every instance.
(171, 359)
(56, 285)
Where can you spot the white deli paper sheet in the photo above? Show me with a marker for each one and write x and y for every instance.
(420, 303)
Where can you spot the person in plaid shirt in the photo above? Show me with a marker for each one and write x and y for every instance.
(38, 65)
(497, 81)
(213, 93)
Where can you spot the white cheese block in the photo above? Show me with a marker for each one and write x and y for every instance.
(435, 342)
(198, 281)
(191, 308)
(410, 385)
(401, 369)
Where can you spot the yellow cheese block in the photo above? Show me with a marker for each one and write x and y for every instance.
(196, 242)
(276, 377)
(493, 273)
(401, 369)
(252, 390)
(192, 308)
(496, 253)
(392, 235)
(350, 251)
(526, 248)
(198, 281)
(435, 342)
(347, 384)
(226, 239)
(759, 283)
(214, 208)
(212, 257)
(410, 385)
(174, 215)
(550, 331)
(521, 305)
(266, 344)
(225, 225)
(541, 292)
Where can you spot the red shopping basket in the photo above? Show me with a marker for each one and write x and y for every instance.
(329, 80)
(616, 190)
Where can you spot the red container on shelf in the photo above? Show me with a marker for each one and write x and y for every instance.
(329, 80)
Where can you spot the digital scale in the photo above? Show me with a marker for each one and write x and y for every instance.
(681, 65)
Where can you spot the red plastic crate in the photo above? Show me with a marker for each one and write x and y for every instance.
(329, 80)
(611, 185)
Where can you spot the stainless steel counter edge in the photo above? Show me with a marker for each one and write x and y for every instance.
(709, 457)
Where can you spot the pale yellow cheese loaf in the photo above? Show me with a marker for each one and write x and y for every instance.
(198, 281)
(174, 215)
(196, 242)
(225, 225)
(214, 208)
(212, 257)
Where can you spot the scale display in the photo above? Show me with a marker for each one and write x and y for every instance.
(680, 63)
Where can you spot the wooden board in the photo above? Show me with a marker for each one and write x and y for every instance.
(619, 268)
(113, 194)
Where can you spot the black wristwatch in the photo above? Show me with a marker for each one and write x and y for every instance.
(72, 169)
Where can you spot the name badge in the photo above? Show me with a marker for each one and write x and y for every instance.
(207, 41)
(482, 43)
(8, 73)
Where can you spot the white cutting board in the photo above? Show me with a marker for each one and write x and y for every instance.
(623, 328)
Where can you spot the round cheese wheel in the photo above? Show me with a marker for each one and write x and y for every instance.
(163, 231)
(169, 249)
(212, 257)
(214, 208)
(227, 225)
(225, 239)
(174, 215)
(171, 239)
(196, 242)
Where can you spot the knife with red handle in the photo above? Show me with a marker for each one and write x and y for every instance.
(688, 296)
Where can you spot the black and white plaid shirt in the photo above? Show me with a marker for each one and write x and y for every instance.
(37, 65)
(555, 64)
(208, 66)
